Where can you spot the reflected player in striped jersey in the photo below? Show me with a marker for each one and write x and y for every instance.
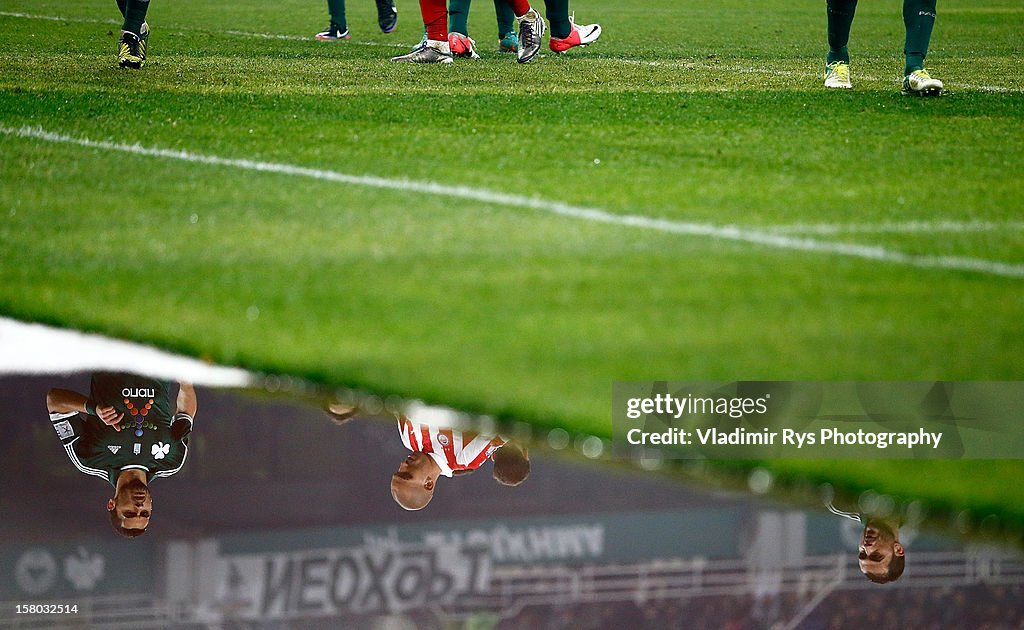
(444, 452)
(128, 431)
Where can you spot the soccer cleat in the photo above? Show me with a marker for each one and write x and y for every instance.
(578, 36)
(837, 75)
(920, 83)
(430, 52)
(509, 42)
(531, 31)
(333, 33)
(387, 15)
(131, 50)
(462, 46)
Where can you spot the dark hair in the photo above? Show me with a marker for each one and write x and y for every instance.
(115, 522)
(896, 566)
(511, 467)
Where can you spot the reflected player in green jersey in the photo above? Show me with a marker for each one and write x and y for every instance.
(127, 431)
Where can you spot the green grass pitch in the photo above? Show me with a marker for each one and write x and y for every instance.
(702, 115)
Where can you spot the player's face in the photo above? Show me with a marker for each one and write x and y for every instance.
(877, 548)
(413, 468)
(134, 505)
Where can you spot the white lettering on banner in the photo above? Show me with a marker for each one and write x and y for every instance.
(360, 579)
(531, 544)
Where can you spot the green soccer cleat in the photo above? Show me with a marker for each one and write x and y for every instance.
(837, 75)
(509, 42)
(920, 83)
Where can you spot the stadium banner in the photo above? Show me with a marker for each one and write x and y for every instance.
(74, 569)
(373, 569)
(818, 420)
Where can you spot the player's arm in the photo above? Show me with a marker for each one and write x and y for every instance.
(187, 400)
(67, 401)
(185, 413)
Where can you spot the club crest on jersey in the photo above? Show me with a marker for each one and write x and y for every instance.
(160, 450)
(138, 392)
(113, 448)
(442, 439)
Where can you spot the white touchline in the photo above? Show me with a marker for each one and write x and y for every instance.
(668, 63)
(897, 227)
(185, 29)
(38, 349)
(723, 232)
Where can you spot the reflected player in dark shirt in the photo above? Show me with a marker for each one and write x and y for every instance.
(880, 554)
(128, 431)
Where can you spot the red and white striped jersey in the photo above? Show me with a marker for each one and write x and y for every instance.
(452, 450)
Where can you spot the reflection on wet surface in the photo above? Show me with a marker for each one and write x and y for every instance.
(283, 513)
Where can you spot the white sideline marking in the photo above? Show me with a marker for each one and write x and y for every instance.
(37, 349)
(689, 65)
(901, 227)
(809, 74)
(726, 232)
(299, 38)
(185, 29)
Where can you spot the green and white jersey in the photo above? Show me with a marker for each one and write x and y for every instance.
(853, 516)
(97, 449)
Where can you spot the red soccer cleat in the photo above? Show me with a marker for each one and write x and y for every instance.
(579, 36)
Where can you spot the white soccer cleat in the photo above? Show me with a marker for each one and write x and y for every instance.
(531, 31)
(837, 75)
(431, 51)
(920, 83)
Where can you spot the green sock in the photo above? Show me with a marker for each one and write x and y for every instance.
(122, 6)
(506, 18)
(840, 19)
(919, 18)
(558, 17)
(135, 15)
(337, 11)
(458, 15)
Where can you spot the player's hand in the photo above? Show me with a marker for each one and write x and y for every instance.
(109, 416)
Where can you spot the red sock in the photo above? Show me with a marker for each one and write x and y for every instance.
(519, 7)
(435, 18)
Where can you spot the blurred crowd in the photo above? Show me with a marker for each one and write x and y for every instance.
(980, 607)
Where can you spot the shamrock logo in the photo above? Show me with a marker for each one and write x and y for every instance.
(84, 570)
(160, 450)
